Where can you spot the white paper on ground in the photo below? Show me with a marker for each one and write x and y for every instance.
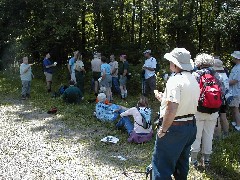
(110, 139)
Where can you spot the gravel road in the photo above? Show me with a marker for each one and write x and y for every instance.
(28, 150)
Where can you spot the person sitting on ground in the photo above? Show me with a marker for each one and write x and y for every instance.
(26, 78)
(137, 132)
(106, 111)
(72, 94)
(223, 122)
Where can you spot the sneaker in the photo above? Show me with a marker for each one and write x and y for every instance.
(23, 98)
(237, 128)
(206, 163)
(194, 163)
(233, 123)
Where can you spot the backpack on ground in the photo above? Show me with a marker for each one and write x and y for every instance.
(210, 99)
(146, 117)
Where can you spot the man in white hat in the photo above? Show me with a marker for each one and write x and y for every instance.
(234, 83)
(178, 130)
(149, 75)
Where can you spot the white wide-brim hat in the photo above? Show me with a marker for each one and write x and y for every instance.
(218, 65)
(181, 58)
(236, 54)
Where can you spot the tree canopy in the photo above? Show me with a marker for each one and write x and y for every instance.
(117, 26)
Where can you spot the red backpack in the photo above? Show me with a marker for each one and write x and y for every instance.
(210, 99)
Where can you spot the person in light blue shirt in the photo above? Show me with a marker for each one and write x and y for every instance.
(234, 85)
(26, 78)
(106, 78)
(71, 63)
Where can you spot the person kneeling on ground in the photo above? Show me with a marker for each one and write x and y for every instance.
(72, 94)
(137, 132)
(106, 111)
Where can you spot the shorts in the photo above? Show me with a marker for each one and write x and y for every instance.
(123, 80)
(107, 81)
(223, 109)
(96, 75)
(48, 76)
(235, 102)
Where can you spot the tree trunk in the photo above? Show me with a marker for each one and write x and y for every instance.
(133, 21)
(140, 25)
(83, 45)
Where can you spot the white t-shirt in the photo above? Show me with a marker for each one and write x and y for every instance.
(114, 65)
(78, 65)
(151, 63)
(96, 65)
(181, 88)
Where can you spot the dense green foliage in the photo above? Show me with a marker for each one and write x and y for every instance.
(31, 27)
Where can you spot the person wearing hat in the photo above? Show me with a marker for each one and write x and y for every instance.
(223, 123)
(149, 73)
(234, 82)
(178, 130)
(48, 71)
(206, 118)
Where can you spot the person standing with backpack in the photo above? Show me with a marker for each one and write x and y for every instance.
(210, 101)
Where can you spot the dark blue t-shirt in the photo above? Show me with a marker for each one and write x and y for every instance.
(47, 62)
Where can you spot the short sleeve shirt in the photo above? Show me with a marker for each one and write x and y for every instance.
(47, 62)
(96, 65)
(184, 90)
(27, 76)
(151, 63)
(106, 67)
(71, 63)
(235, 75)
(123, 66)
(114, 65)
(78, 65)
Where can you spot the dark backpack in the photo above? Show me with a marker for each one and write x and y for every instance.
(210, 99)
(146, 117)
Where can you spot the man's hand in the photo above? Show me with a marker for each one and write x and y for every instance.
(160, 133)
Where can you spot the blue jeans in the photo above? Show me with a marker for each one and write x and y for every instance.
(126, 122)
(172, 151)
(26, 87)
(115, 85)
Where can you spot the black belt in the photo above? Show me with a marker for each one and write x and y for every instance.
(185, 116)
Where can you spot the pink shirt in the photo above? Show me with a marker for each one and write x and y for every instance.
(137, 120)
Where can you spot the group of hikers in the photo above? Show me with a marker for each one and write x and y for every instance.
(193, 105)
